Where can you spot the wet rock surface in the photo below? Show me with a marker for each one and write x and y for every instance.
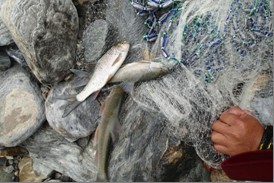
(46, 33)
(21, 107)
(79, 123)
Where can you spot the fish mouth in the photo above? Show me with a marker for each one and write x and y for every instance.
(124, 46)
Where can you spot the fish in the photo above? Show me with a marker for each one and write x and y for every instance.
(104, 70)
(107, 129)
(129, 74)
(139, 71)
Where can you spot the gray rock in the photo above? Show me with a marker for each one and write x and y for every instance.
(5, 177)
(46, 32)
(21, 107)
(81, 122)
(128, 26)
(96, 40)
(4, 61)
(5, 36)
(146, 151)
(51, 150)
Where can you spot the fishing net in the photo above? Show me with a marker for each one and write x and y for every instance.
(220, 54)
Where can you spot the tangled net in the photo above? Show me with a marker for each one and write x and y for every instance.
(222, 54)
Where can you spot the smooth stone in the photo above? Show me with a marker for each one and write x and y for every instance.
(51, 150)
(21, 107)
(46, 33)
(5, 36)
(128, 27)
(4, 60)
(96, 40)
(81, 122)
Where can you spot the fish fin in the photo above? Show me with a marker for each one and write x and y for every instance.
(115, 131)
(127, 87)
(117, 59)
(95, 142)
(80, 73)
(95, 94)
(70, 107)
(80, 82)
(66, 97)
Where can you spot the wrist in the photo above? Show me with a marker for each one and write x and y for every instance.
(267, 139)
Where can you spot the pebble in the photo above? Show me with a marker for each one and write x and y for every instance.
(21, 107)
(46, 33)
(8, 169)
(81, 122)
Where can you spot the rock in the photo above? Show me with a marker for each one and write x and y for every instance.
(21, 107)
(96, 40)
(128, 26)
(5, 177)
(81, 122)
(8, 169)
(46, 32)
(146, 151)
(26, 173)
(12, 151)
(51, 150)
(4, 61)
(5, 36)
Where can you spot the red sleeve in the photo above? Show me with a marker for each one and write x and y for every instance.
(252, 166)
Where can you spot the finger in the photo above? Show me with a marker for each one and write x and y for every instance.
(220, 126)
(229, 118)
(221, 148)
(218, 138)
(236, 111)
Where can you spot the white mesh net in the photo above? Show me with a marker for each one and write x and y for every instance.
(221, 55)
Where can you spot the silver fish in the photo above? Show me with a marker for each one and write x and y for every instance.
(139, 71)
(106, 129)
(105, 68)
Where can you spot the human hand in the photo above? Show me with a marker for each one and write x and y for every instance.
(236, 131)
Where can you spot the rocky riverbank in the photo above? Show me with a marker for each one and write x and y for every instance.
(164, 122)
